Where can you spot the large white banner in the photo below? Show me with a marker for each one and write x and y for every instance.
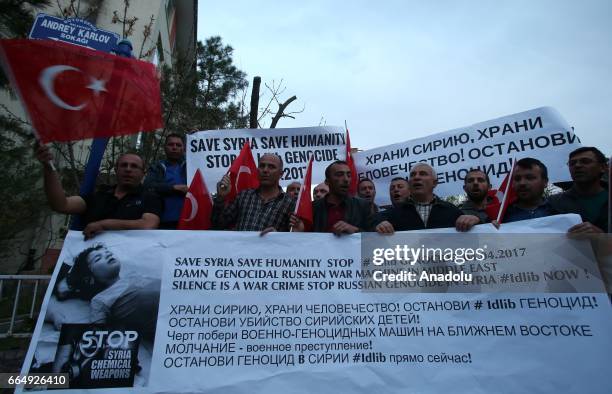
(213, 151)
(491, 145)
(292, 313)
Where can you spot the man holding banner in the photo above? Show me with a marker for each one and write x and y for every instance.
(124, 206)
(476, 186)
(424, 210)
(338, 212)
(587, 197)
(264, 209)
(529, 180)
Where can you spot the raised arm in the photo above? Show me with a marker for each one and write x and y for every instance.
(56, 196)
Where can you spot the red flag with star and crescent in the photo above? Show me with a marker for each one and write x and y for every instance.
(243, 173)
(72, 93)
(197, 208)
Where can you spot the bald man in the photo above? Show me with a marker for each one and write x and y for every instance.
(320, 191)
(264, 209)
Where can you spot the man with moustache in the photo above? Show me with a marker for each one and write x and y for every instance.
(337, 212)
(424, 210)
(529, 181)
(476, 186)
(367, 191)
(124, 206)
(587, 196)
(264, 209)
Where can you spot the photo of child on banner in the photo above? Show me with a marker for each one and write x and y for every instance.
(100, 321)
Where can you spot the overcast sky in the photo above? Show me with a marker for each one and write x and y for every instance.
(396, 70)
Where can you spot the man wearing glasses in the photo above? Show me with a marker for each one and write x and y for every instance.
(587, 197)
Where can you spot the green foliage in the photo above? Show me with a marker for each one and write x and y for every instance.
(16, 18)
(204, 93)
(219, 84)
(21, 197)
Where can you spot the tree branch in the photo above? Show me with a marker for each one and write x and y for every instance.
(281, 109)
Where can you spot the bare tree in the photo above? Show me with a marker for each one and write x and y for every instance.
(275, 91)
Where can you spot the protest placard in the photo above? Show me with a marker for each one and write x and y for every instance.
(213, 151)
(491, 145)
(297, 313)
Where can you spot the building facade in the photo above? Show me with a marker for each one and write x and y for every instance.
(160, 31)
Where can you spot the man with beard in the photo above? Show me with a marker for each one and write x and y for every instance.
(587, 196)
(529, 181)
(424, 210)
(124, 206)
(476, 185)
(367, 191)
(337, 212)
(263, 209)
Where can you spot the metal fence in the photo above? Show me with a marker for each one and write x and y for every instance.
(23, 282)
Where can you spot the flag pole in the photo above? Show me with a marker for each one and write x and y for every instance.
(506, 192)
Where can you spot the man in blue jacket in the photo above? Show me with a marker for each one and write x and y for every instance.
(168, 178)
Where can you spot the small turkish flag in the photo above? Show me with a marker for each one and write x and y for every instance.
(73, 93)
(351, 163)
(243, 173)
(197, 207)
(501, 198)
(303, 207)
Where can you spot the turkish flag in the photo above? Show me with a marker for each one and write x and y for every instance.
(501, 198)
(197, 207)
(243, 173)
(349, 159)
(303, 207)
(73, 93)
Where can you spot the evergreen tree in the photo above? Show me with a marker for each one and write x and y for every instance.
(21, 197)
(219, 85)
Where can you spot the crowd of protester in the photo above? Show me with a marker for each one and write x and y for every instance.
(157, 202)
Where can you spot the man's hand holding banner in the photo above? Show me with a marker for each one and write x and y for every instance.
(294, 312)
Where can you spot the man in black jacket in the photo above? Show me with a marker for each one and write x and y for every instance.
(338, 212)
(124, 206)
(587, 197)
(424, 210)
